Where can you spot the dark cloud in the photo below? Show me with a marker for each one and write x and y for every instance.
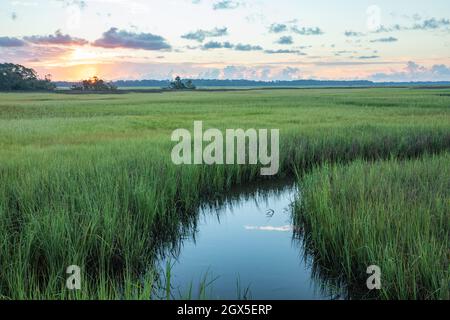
(11, 42)
(225, 4)
(114, 38)
(26, 54)
(285, 40)
(388, 39)
(201, 35)
(431, 24)
(278, 27)
(285, 51)
(427, 24)
(56, 39)
(247, 47)
(217, 45)
(227, 45)
(307, 31)
(354, 34)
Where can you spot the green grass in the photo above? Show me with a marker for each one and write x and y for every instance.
(391, 214)
(88, 180)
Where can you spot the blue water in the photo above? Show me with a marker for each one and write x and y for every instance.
(248, 239)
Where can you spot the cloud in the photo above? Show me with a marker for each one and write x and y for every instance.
(209, 74)
(238, 72)
(225, 4)
(260, 73)
(201, 35)
(285, 51)
(28, 54)
(353, 34)
(277, 28)
(415, 72)
(217, 45)
(79, 3)
(389, 39)
(11, 42)
(162, 70)
(431, 24)
(307, 31)
(265, 74)
(227, 45)
(114, 38)
(247, 47)
(57, 39)
(427, 24)
(440, 69)
(412, 67)
(270, 228)
(367, 57)
(289, 73)
(352, 63)
(341, 52)
(393, 28)
(285, 40)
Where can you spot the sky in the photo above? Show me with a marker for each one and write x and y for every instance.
(229, 39)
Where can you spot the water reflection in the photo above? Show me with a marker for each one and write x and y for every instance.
(245, 245)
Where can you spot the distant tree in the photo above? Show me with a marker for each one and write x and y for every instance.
(190, 85)
(94, 84)
(18, 77)
(178, 84)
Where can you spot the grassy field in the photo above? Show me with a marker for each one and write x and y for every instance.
(393, 214)
(88, 180)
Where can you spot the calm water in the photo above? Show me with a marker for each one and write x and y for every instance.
(247, 239)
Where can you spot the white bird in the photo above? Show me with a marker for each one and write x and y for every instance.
(270, 213)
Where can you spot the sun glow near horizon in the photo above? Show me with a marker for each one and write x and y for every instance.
(85, 72)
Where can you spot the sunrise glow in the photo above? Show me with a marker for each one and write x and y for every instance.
(283, 40)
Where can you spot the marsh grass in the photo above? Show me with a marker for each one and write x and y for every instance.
(89, 181)
(394, 214)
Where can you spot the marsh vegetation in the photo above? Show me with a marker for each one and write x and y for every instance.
(89, 181)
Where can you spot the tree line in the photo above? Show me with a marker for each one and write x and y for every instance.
(94, 84)
(18, 77)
